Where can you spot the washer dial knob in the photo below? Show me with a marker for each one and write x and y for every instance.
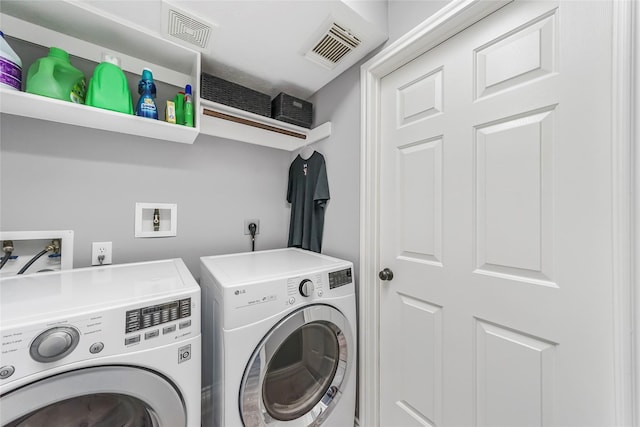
(54, 344)
(306, 288)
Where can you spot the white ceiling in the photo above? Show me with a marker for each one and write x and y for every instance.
(261, 44)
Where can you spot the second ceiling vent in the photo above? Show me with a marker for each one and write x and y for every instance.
(333, 45)
(184, 26)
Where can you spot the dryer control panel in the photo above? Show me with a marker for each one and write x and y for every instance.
(339, 278)
(254, 301)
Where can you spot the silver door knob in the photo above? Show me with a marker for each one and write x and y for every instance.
(386, 274)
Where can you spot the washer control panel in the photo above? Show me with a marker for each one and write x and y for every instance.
(154, 315)
(34, 347)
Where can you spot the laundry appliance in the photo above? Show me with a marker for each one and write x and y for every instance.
(279, 339)
(117, 345)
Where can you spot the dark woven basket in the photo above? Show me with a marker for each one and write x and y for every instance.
(287, 108)
(234, 95)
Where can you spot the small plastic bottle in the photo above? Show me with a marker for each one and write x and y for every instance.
(10, 66)
(188, 106)
(179, 101)
(147, 89)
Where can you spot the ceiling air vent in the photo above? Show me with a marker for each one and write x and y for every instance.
(333, 45)
(185, 27)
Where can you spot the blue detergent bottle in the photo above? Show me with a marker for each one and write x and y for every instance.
(147, 89)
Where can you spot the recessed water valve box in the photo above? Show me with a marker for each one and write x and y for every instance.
(36, 251)
(156, 220)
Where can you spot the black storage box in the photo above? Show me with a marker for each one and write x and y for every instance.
(287, 108)
(234, 95)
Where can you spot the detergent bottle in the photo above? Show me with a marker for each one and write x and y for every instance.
(54, 76)
(108, 88)
(10, 66)
(147, 89)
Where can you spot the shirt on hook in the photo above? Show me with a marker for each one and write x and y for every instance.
(308, 193)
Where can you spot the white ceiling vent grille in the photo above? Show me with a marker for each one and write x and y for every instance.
(185, 27)
(333, 45)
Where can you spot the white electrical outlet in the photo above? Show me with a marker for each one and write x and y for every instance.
(101, 253)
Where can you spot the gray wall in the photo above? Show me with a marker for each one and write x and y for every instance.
(339, 102)
(404, 15)
(55, 177)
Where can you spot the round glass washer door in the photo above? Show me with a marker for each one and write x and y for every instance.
(95, 397)
(296, 375)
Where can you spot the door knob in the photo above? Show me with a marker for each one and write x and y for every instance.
(386, 274)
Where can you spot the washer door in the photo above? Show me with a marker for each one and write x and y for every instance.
(100, 396)
(296, 375)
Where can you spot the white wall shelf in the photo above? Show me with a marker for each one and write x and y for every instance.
(227, 122)
(39, 107)
(87, 33)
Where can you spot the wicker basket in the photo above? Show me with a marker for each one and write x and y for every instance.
(234, 95)
(287, 108)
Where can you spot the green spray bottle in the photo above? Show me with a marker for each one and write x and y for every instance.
(188, 106)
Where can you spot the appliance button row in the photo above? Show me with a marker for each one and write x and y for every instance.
(6, 372)
(184, 324)
(132, 340)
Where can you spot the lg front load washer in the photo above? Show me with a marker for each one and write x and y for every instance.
(105, 346)
(279, 340)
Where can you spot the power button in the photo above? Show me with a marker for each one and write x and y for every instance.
(96, 348)
(6, 372)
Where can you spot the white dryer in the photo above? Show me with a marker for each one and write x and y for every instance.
(103, 346)
(279, 340)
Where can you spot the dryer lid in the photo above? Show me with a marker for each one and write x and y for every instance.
(260, 266)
